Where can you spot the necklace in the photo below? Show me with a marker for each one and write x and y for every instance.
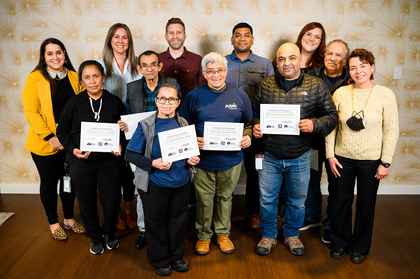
(96, 114)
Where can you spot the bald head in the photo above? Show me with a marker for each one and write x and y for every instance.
(288, 61)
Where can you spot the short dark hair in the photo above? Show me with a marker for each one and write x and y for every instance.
(90, 63)
(147, 53)
(174, 20)
(172, 85)
(242, 25)
(364, 55)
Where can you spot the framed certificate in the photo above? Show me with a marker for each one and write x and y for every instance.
(280, 119)
(178, 144)
(99, 137)
(223, 136)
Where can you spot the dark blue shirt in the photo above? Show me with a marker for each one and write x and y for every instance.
(178, 175)
(149, 97)
(229, 105)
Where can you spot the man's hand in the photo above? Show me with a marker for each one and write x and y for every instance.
(306, 125)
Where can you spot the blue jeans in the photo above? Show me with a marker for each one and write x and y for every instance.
(295, 174)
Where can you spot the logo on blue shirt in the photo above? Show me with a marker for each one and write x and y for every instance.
(232, 106)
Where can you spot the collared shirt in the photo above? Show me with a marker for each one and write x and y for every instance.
(186, 69)
(249, 73)
(149, 97)
(117, 82)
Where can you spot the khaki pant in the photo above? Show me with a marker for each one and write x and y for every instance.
(214, 191)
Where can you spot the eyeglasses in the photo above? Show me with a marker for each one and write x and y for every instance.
(215, 71)
(163, 100)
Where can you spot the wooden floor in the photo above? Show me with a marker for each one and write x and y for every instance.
(27, 251)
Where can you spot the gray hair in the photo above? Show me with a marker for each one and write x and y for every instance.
(213, 58)
(346, 46)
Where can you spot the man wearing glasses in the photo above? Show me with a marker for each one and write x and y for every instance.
(141, 96)
(218, 171)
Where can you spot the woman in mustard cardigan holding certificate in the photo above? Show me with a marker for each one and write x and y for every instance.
(48, 87)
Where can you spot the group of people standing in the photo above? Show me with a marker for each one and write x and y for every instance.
(346, 121)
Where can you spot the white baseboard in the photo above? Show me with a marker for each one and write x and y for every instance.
(384, 189)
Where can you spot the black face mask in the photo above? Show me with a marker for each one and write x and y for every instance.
(356, 121)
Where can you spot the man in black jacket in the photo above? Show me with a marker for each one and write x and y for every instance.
(287, 157)
(335, 74)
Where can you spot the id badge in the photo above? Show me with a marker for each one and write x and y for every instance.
(66, 185)
(258, 161)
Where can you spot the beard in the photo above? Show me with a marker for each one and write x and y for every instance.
(176, 44)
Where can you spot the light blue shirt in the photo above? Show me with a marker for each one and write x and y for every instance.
(248, 74)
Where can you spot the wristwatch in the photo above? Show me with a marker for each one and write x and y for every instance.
(386, 165)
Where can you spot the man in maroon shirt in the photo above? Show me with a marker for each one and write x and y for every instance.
(178, 62)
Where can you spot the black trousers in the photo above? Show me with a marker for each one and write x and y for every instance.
(51, 170)
(252, 194)
(127, 177)
(359, 238)
(166, 214)
(89, 178)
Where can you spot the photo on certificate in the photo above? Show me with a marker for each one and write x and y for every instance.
(178, 144)
(132, 121)
(99, 137)
(223, 136)
(280, 119)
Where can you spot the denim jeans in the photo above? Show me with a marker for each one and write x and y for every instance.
(295, 174)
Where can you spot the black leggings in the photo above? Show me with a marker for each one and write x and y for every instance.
(51, 170)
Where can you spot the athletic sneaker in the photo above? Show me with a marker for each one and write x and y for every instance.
(111, 243)
(96, 248)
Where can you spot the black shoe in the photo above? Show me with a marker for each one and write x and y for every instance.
(180, 266)
(140, 241)
(96, 248)
(111, 243)
(357, 258)
(337, 253)
(163, 271)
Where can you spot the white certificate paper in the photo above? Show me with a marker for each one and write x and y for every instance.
(280, 119)
(223, 136)
(178, 144)
(99, 137)
(132, 121)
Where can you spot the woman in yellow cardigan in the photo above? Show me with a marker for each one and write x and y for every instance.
(48, 87)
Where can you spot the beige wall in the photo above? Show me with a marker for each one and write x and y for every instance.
(391, 29)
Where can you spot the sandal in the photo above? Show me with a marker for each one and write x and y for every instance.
(59, 234)
(76, 227)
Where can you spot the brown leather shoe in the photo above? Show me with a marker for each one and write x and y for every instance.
(225, 244)
(202, 247)
(59, 234)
